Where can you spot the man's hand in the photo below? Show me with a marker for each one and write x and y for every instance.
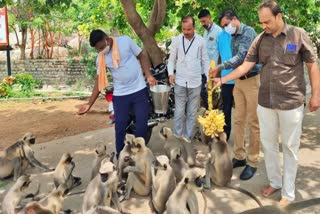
(216, 83)
(314, 103)
(83, 109)
(213, 72)
(151, 80)
(171, 80)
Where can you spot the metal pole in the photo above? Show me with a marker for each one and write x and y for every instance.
(8, 61)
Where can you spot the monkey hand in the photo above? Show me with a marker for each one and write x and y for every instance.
(50, 169)
(83, 109)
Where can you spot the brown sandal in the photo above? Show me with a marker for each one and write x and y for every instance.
(268, 190)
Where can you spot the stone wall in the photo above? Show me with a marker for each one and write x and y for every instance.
(49, 71)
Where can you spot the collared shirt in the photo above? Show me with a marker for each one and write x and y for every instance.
(224, 47)
(128, 78)
(211, 40)
(240, 44)
(282, 77)
(190, 58)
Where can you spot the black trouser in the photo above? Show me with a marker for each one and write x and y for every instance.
(204, 93)
(227, 103)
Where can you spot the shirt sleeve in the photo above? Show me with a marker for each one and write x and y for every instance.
(173, 56)
(133, 46)
(205, 61)
(307, 51)
(244, 45)
(252, 55)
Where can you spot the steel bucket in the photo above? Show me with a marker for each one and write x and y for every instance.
(160, 97)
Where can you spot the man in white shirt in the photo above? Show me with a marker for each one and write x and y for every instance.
(188, 54)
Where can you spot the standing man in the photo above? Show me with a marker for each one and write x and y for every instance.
(245, 94)
(224, 47)
(210, 35)
(125, 60)
(188, 54)
(282, 93)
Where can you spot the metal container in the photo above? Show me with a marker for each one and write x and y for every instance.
(160, 97)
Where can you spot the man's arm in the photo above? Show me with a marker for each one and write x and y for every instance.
(235, 74)
(244, 45)
(314, 77)
(146, 68)
(172, 61)
(94, 95)
(205, 61)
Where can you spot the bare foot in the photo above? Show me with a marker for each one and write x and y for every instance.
(268, 190)
(284, 202)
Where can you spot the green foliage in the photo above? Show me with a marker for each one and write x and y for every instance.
(90, 61)
(26, 83)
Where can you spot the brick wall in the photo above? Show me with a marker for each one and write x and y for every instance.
(49, 71)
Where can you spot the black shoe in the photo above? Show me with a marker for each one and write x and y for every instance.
(248, 172)
(238, 163)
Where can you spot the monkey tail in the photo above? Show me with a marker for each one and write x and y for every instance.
(205, 202)
(76, 193)
(302, 204)
(245, 192)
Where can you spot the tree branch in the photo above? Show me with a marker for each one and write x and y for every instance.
(157, 16)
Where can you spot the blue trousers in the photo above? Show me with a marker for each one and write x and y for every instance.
(122, 106)
(227, 102)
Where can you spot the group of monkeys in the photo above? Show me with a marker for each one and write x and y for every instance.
(171, 180)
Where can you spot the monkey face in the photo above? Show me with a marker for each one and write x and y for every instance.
(193, 180)
(66, 158)
(162, 162)
(101, 150)
(29, 138)
(106, 170)
(138, 144)
(129, 139)
(23, 182)
(175, 154)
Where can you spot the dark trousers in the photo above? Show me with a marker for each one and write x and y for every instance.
(227, 103)
(204, 93)
(122, 106)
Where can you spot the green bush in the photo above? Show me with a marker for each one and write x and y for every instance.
(26, 83)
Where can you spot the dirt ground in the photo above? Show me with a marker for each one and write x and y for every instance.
(48, 120)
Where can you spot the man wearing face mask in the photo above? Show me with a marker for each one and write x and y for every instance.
(245, 94)
(126, 63)
(210, 35)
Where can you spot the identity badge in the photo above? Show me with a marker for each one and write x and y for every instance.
(291, 47)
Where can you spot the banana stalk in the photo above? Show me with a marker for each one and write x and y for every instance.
(213, 121)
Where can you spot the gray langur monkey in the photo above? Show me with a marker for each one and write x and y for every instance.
(103, 210)
(53, 203)
(63, 173)
(289, 209)
(139, 177)
(17, 157)
(173, 145)
(19, 191)
(124, 157)
(184, 200)
(219, 166)
(102, 190)
(100, 154)
(163, 182)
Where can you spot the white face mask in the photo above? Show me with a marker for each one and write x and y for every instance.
(230, 29)
(106, 49)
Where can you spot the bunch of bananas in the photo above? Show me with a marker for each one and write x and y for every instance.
(213, 121)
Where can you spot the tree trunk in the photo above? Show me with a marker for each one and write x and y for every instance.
(39, 45)
(24, 31)
(146, 34)
(32, 42)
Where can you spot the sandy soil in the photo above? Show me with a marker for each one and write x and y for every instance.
(48, 120)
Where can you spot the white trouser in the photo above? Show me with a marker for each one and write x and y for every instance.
(289, 123)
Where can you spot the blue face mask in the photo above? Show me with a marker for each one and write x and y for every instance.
(230, 29)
